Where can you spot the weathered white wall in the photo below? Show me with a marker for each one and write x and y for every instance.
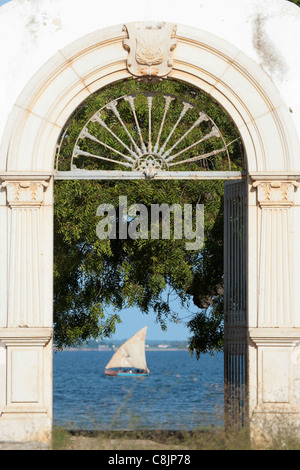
(43, 39)
(31, 31)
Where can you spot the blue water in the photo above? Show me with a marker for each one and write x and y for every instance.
(180, 392)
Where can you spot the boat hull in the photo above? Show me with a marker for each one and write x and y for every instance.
(131, 374)
(115, 373)
(112, 373)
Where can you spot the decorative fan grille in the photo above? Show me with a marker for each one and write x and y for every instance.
(149, 132)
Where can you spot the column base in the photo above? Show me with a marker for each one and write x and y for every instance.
(274, 380)
(26, 427)
(26, 384)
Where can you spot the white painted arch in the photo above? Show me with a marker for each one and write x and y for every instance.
(200, 58)
(33, 122)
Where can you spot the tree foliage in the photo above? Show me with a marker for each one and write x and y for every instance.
(94, 278)
(297, 2)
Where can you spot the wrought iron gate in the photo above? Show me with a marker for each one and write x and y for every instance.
(235, 302)
(146, 135)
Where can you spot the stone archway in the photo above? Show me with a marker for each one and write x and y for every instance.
(27, 162)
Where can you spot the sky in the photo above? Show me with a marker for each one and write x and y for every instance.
(133, 320)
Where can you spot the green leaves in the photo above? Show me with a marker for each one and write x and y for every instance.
(95, 276)
(207, 332)
(91, 274)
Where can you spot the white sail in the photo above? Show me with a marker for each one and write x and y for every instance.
(131, 353)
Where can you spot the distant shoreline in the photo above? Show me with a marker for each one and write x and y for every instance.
(111, 349)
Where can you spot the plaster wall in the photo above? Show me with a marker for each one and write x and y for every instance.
(31, 32)
(54, 54)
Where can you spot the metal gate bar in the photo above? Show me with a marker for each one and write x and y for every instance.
(235, 303)
(160, 175)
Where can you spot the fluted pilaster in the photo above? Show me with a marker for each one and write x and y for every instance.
(26, 309)
(24, 199)
(275, 255)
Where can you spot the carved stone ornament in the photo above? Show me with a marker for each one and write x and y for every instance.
(25, 192)
(276, 192)
(150, 47)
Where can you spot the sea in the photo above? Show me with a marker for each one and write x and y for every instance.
(181, 392)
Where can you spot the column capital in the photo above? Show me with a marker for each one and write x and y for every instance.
(28, 193)
(278, 193)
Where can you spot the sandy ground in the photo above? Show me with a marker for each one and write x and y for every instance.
(90, 443)
(100, 441)
(155, 440)
(23, 446)
(84, 443)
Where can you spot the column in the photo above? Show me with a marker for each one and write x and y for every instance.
(274, 335)
(26, 310)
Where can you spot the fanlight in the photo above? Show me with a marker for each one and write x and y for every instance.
(147, 132)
